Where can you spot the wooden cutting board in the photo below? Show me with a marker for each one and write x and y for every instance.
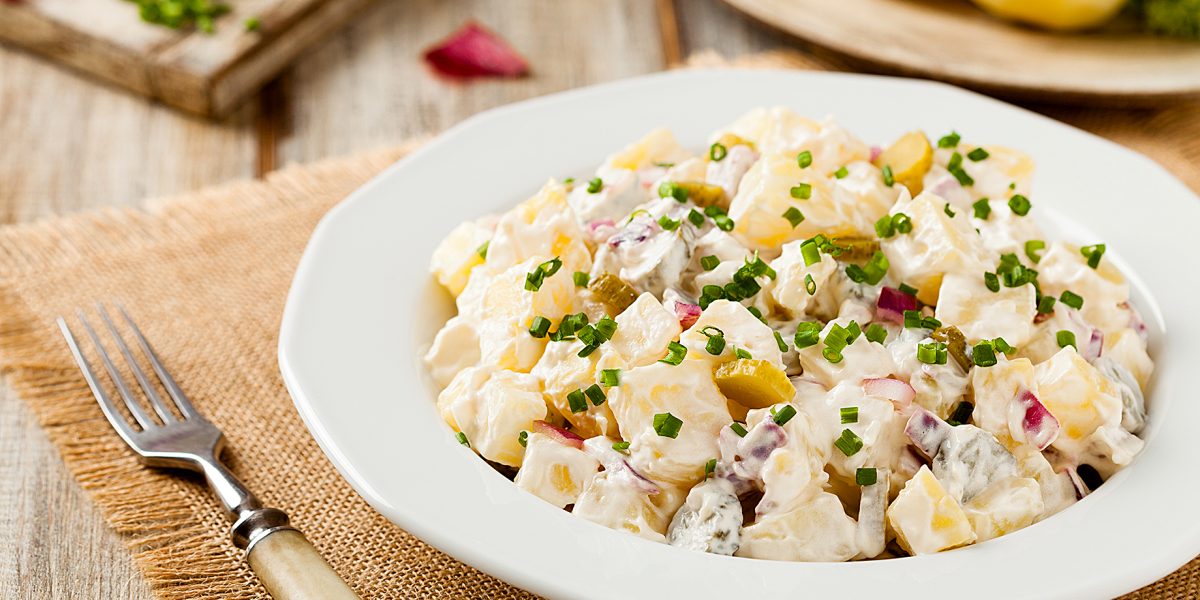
(954, 41)
(206, 74)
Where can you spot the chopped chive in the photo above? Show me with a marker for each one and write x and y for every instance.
(709, 262)
(955, 168)
(876, 333)
(866, 476)
(723, 222)
(1045, 305)
(696, 218)
(595, 185)
(621, 446)
(535, 278)
(793, 216)
(462, 439)
(1003, 346)
(675, 353)
(577, 401)
(810, 252)
(523, 439)
(610, 377)
(1019, 204)
(606, 327)
(757, 314)
(807, 334)
(949, 140)
(738, 429)
(667, 223)
(482, 249)
(1071, 299)
(581, 278)
(982, 209)
(1093, 254)
(810, 286)
(983, 354)
(669, 189)
(831, 355)
(252, 24)
(902, 223)
(742, 353)
(908, 289)
(930, 323)
(783, 347)
(595, 394)
(932, 353)
(1032, 247)
(949, 212)
(849, 414)
(784, 414)
(804, 159)
(717, 152)
(977, 154)
(667, 425)
(849, 443)
(991, 281)
(884, 227)
(539, 327)
(1065, 338)
(709, 467)
(716, 341)
(801, 191)
(912, 319)
(856, 273)
(888, 178)
(841, 173)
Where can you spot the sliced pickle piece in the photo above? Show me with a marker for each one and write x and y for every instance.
(910, 158)
(613, 292)
(753, 383)
(956, 344)
(854, 248)
(705, 194)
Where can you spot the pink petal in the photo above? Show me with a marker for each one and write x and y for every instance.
(474, 51)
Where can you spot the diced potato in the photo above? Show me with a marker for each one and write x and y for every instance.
(457, 254)
(938, 244)
(966, 302)
(543, 226)
(688, 393)
(553, 471)
(614, 503)
(862, 359)
(739, 328)
(1078, 396)
(658, 146)
(1006, 506)
(455, 348)
(790, 291)
(494, 414)
(909, 158)
(754, 383)
(994, 389)
(1063, 267)
(926, 519)
(1128, 349)
(509, 309)
(644, 330)
(816, 531)
(561, 371)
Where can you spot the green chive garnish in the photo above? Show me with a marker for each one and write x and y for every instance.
(716, 340)
(1032, 247)
(1071, 299)
(983, 354)
(709, 467)
(482, 249)
(908, 289)
(675, 353)
(888, 178)
(841, 173)
(1066, 338)
(784, 414)
(866, 476)
(801, 191)
(810, 252)
(849, 414)
(621, 446)
(949, 212)
(977, 154)
(810, 286)
(807, 334)
(876, 333)
(594, 185)
(717, 152)
(696, 218)
(1019, 204)
(1045, 305)
(804, 159)
(667, 425)
(523, 439)
(884, 227)
(950, 140)
(595, 394)
(849, 443)
(738, 429)
(581, 278)
(982, 208)
(902, 223)
(462, 439)
(539, 327)
(991, 281)
(667, 223)
(1093, 254)
(793, 216)
(783, 347)
(709, 262)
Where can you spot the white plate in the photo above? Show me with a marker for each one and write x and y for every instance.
(363, 307)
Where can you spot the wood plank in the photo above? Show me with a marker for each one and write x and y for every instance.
(206, 74)
(368, 87)
(70, 144)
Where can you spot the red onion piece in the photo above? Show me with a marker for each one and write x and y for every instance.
(926, 431)
(892, 303)
(598, 223)
(474, 51)
(558, 434)
(687, 314)
(1095, 346)
(899, 392)
(875, 152)
(1036, 424)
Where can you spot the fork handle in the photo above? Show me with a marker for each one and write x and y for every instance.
(290, 568)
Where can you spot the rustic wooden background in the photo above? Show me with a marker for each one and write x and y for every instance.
(68, 144)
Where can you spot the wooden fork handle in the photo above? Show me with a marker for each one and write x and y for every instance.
(292, 569)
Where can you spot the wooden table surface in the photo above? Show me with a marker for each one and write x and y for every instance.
(68, 144)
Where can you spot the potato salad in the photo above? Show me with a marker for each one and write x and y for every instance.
(792, 345)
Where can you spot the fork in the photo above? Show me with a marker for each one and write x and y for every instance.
(286, 563)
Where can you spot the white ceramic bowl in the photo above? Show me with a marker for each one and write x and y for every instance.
(363, 308)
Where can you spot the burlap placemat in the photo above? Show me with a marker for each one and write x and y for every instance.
(206, 274)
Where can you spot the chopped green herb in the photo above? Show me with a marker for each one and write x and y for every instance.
(908, 289)
(801, 191)
(982, 208)
(610, 377)
(912, 319)
(833, 356)
(784, 414)
(1071, 299)
(841, 173)
(1093, 254)
(977, 154)
(983, 354)
(902, 223)
(1003, 346)
(884, 227)
(667, 425)
(950, 140)
(1066, 338)
(581, 278)
(621, 446)
(1045, 305)
(807, 334)
(991, 281)
(810, 285)
(709, 467)
(888, 178)
(675, 353)
(954, 166)
(709, 262)
(962, 413)
(482, 249)
(668, 189)
(462, 439)
(849, 414)
(539, 327)
(716, 340)
(595, 184)
(930, 323)
(849, 443)
(595, 394)
(932, 353)
(717, 152)
(696, 217)
(866, 476)
(742, 353)
(534, 279)
(1032, 247)
(876, 333)
(577, 401)
(738, 429)
(783, 347)
(804, 159)
(793, 216)
(1019, 204)
(253, 24)
(667, 223)
(523, 438)
(810, 253)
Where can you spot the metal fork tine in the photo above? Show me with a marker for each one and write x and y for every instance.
(156, 401)
(139, 414)
(102, 398)
(181, 400)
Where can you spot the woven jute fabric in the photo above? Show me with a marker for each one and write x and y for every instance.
(206, 275)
